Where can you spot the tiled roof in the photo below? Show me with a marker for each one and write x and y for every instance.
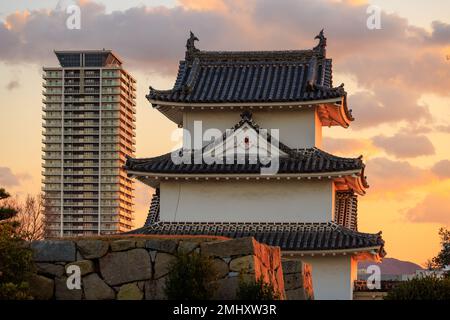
(288, 236)
(251, 76)
(310, 160)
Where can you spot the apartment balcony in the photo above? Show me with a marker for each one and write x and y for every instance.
(51, 124)
(49, 92)
(52, 99)
(52, 83)
(111, 74)
(81, 124)
(69, 172)
(71, 75)
(80, 100)
(111, 83)
(72, 83)
(51, 165)
(92, 82)
(92, 74)
(51, 139)
(81, 132)
(51, 116)
(46, 108)
(49, 75)
(84, 164)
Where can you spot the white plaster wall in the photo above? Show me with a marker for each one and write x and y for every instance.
(297, 128)
(247, 201)
(333, 276)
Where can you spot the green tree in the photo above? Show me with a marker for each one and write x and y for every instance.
(16, 264)
(190, 278)
(256, 290)
(421, 288)
(6, 212)
(443, 258)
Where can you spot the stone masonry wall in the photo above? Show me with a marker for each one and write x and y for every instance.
(297, 280)
(135, 267)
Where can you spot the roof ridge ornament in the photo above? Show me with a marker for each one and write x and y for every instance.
(321, 46)
(247, 115)
(190, 46)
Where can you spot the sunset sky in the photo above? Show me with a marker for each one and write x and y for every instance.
(397, 78)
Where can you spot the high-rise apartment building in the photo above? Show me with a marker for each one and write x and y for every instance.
(89, 130)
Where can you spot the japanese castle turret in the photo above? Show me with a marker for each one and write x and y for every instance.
(252, 164)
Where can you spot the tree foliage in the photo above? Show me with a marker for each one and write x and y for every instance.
(256, 290)
(190, 278)
(421, 288)
(443, 258)
(16, 264)
(6, 212)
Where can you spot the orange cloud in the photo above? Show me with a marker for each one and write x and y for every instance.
(435, 208)
(204, 5)
(349, 147)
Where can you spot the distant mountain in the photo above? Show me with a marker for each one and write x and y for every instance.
(393, 266)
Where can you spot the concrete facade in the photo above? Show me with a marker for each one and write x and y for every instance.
(89, 129)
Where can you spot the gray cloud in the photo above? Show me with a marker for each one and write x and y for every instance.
(8, 178)
(441, 32)
(13, 84)
(388, 105)
(442, 169)
(387, 175)
(403, 145)
(397, 63)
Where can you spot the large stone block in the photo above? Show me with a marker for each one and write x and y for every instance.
(126, 266)
(220, 267)
(297, 279)
(122, 245)
(187, 246)
(41, 288)
(50, 269)
(229, 248)
(154, 289)
(53, 250)
(64, 293)
(96, 289)
(162, 245)
(292, 266)
(86, 266)
(92, 249)
(293, 281)
(130, 291)
(245, 264)
(163, 262)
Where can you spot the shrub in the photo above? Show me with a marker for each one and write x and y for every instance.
(190, 278)
(16, 264)
(423, 288)
(256, 290)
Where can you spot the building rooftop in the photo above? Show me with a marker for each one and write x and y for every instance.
(87, 58)
(288, 236)
(307, 161)
(252, 76)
